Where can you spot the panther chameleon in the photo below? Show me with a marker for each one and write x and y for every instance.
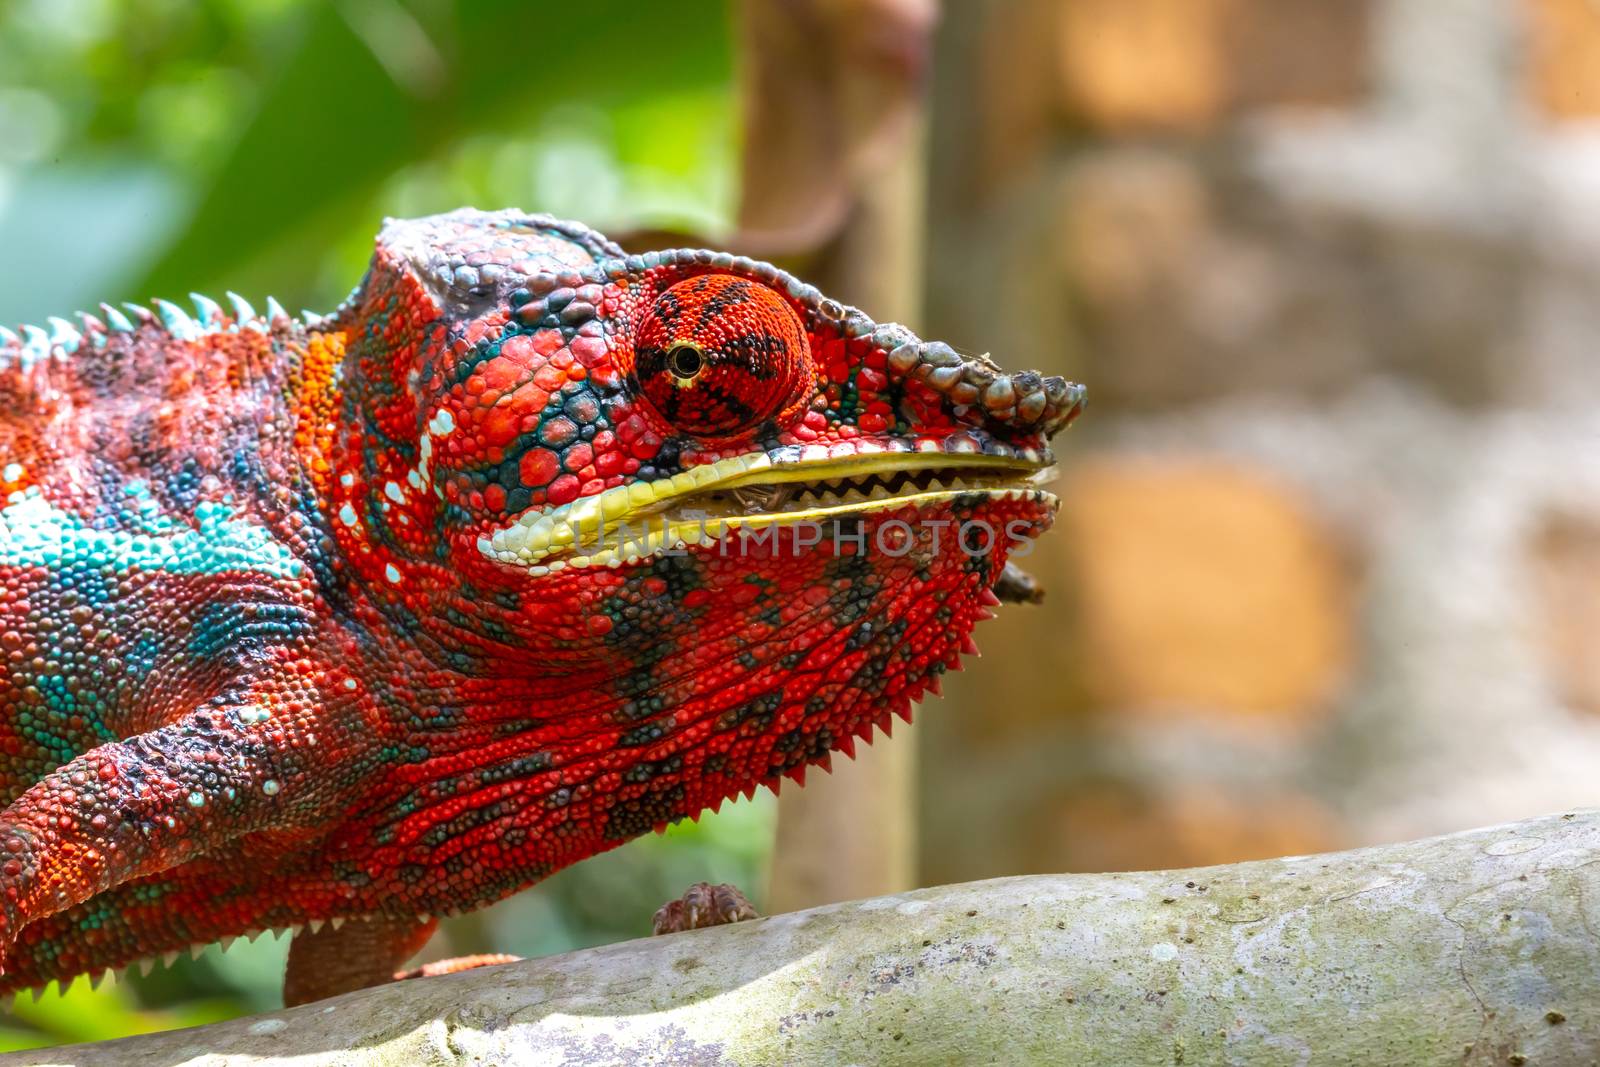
(530, 547)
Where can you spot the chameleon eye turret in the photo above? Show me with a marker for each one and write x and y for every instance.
(718, 355)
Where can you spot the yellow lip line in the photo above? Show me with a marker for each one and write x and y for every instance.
(539, 535)
(709, 530)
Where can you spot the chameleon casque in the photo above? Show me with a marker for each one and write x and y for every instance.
(322, 619)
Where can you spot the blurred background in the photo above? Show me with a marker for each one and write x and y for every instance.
(1327, 571)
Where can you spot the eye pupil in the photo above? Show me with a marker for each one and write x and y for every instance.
(685, 361)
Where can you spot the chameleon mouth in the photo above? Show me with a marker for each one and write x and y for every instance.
(757, 491)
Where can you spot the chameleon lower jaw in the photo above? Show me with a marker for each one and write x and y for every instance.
(765, 497)
(753, 489)
(703, 530)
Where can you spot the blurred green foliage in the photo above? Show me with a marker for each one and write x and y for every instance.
(153, 147)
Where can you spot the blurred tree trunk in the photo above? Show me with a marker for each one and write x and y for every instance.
(832, 179)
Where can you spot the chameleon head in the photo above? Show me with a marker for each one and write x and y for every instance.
(756, 511)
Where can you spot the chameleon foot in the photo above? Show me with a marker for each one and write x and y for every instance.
(703, 904)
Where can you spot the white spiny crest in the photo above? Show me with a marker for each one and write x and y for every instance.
(63, 338)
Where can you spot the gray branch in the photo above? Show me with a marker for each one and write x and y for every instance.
(1476, 948)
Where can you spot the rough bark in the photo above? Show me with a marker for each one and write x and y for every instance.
(1476, 948)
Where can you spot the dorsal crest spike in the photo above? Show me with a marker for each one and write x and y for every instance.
(35, 346)
(210, 311)
(63, 333)
(242, 311)
(177, 321)
(115, 319)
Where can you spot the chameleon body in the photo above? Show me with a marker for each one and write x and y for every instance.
(531, 547)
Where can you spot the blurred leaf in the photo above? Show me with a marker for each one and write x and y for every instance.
(84, 1014)
(360, 97)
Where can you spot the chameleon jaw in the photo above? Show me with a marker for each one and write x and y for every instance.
(757, 491)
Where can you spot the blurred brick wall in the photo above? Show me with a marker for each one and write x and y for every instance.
(1328, 563)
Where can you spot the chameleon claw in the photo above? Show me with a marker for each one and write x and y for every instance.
(702, 905)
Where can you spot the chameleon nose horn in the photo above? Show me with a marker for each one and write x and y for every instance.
(987, 395)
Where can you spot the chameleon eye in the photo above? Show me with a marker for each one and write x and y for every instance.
(719, 355)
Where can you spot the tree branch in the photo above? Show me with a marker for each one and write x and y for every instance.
(1478, 947)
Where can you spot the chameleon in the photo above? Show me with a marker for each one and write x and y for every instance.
(345, 623)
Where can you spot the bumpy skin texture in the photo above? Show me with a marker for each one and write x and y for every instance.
(279, 643)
